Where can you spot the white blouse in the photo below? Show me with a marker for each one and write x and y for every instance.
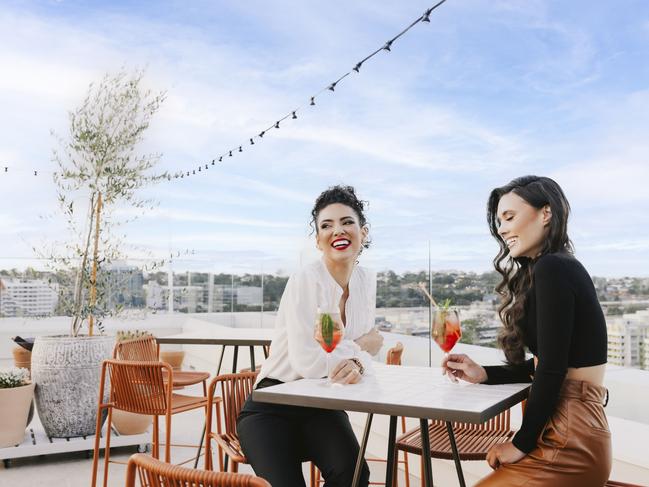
(294, 352)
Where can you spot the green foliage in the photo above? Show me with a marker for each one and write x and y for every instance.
(14, 377)
(97, 160)
(123, 335)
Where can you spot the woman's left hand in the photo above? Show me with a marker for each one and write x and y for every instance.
(346, 372)
(502, 454)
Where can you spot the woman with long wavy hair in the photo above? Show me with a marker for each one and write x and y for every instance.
(550, 306)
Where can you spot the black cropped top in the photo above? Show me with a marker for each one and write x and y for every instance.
(563, 326)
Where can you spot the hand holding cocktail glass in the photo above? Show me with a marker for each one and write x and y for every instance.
(445, 330)
(328, 333)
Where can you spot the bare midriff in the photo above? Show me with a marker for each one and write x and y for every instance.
(593, 374)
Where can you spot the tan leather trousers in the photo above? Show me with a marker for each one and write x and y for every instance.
(574, 449)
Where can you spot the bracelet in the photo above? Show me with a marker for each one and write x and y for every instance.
(359, 364)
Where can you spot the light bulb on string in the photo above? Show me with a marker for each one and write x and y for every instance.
(240, 149)
(387, 46)
(294, 117)
(212, 162)
(252, 142)
(221, 159)
(230, 154)
(312, 101)
(357, 68)
(277, 124)
(261, 134)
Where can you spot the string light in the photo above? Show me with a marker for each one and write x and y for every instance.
(387, 46)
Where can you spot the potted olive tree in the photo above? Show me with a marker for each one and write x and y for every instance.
(98, 172)
(16, 393)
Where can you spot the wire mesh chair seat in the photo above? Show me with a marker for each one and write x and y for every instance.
(139, 387)
(472, 443)
(154, 473)
(473, 440)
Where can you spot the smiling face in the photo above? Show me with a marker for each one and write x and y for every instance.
(522, 227)
(339, 234)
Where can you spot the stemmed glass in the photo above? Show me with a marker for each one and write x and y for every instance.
(328, 333)
(445, 329)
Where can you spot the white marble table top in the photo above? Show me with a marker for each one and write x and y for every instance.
(417, 392)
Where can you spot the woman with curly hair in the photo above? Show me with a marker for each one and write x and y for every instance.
(275, 438)
(550, 306)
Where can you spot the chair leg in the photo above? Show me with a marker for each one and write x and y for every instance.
(95, 454)
(109, 420)
(407, 468)
(311, 474)
(156, 438)
(235, 467)
(405, 455)
(168, 437)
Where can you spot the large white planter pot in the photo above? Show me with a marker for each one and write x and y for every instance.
(67, 372)
(14, 408)
(127, 423)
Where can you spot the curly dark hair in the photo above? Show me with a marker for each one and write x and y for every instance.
(345, 195)
(517, 272)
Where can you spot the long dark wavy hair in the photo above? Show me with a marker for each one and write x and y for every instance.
(517, 272)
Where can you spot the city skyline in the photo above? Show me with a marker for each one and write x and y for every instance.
(486, 92)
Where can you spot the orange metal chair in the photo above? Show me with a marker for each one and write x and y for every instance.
(146, 348)
(393, 357)
(473, 440)
(154, 473)
(139, 387)
(235, 389)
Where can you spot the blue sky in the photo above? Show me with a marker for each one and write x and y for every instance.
(488, 91)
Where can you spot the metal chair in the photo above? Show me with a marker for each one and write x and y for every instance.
(154, 473)
(139, 387)
(146, 348)
(235, 389)
(473, 440)
(393, 357)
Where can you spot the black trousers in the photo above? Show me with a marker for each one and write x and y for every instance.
(276, 439)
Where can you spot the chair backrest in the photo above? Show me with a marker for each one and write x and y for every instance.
(154, 473)
(144, 348)
(235, 389)
(139, 387)
(393, 357)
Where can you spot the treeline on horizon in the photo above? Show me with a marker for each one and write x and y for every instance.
(393, 290)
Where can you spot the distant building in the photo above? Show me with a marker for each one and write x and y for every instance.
(124, 286)
(628, 340)
(27, 297)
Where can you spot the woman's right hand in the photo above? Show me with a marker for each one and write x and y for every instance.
(371, 342)
(460, 366)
